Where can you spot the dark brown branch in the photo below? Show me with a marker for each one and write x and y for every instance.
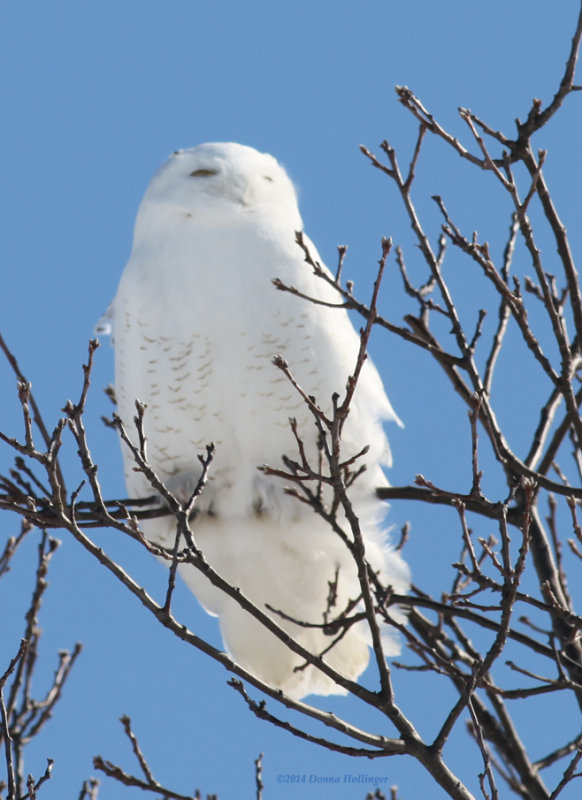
(504, 310)
(261, 712)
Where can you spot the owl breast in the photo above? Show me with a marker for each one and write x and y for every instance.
(206, 328)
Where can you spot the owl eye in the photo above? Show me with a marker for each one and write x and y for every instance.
(203, 173)
(268, 178)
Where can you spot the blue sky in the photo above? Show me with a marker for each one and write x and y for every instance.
(94, 98)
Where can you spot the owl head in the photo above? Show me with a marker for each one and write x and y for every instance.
(215, 182)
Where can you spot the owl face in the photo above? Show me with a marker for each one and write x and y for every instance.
(222, 178)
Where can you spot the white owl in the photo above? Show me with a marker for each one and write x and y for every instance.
(197, 322)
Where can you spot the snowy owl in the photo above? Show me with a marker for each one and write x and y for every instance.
(196, 323)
